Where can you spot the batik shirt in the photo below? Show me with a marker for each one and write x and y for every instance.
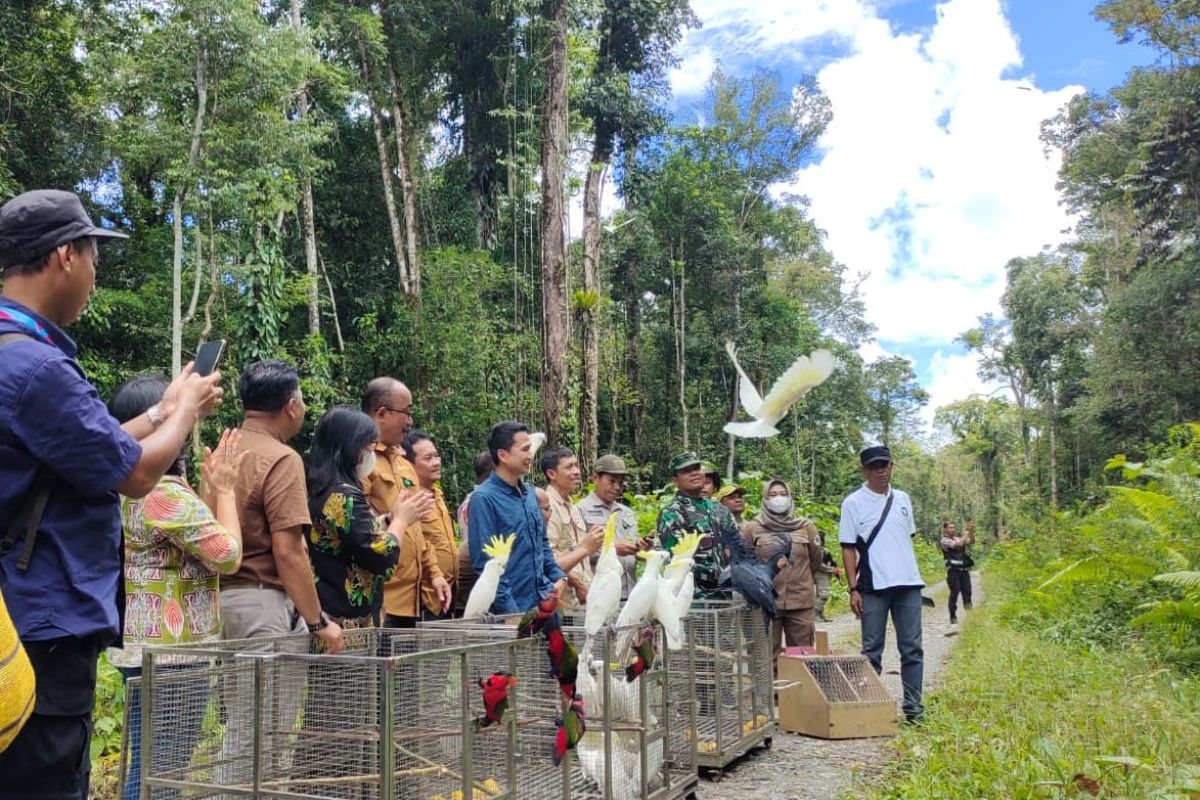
(174, 549)
(352, 553)
(710, 519)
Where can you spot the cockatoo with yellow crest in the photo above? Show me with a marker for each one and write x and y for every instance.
(805, 373)
(483, 593)
(677, 578)
(604, 595)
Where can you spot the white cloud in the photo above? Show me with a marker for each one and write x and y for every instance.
(955, 377)
(931, 175)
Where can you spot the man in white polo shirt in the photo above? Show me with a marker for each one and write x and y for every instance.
(875, 532)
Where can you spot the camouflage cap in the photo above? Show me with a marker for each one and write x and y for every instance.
(684, 460)
(609, 464)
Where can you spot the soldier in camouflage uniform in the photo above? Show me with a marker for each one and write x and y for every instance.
(690, 511)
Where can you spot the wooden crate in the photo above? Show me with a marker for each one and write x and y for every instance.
(834, 697)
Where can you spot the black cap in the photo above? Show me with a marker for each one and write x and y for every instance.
(34, 223)
(876, 453)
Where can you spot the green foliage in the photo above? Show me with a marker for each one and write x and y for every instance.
(1020, 716)
(108, 715)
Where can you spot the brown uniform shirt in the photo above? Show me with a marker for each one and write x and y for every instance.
(793, 583)
(565, 531)
(439, 533)
(393, 474)
(271, 496)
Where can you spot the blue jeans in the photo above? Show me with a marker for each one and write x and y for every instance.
(905, 608)
(186, 702)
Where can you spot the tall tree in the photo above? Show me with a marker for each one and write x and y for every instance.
(308, 218)
(895, 394)
(553, 234)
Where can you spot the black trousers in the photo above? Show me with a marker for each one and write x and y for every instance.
(959, 581)
(51, 758)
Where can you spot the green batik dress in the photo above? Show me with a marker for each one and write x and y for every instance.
(352, 554)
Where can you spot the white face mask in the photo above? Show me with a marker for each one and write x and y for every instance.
(366, 465)
(779, 504)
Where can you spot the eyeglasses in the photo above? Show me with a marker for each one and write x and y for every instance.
(408, 412)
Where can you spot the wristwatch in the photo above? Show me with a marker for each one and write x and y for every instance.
(319, 625)
(154, 414)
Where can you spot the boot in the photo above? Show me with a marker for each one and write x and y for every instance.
(953, 618)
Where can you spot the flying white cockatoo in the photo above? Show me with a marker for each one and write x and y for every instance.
(805, 373)
(483, 593)
(537, 439)
(604, 595)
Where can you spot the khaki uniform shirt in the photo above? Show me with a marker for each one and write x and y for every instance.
(594, 512)
(793, 583)
(271, 496)
(393, 474)
(439, 533)
(565, 531)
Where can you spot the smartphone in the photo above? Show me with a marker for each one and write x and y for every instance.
(208, 356)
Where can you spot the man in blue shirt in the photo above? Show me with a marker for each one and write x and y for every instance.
(504, 504)
(62, 582)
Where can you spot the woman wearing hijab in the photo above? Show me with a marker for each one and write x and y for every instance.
(795, 615)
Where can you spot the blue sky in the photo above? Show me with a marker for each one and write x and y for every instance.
(932, 174)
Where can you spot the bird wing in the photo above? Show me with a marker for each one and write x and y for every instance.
(751, 400)
(805, 373)
(537, 439)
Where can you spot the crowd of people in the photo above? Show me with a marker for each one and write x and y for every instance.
(129, 554)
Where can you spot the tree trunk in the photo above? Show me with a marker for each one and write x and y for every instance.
(308, 224)
(385, 169)
(1053, 441)
(408, 196)
(177, 210)
(681, 342)
(554, 264)
(588, 423)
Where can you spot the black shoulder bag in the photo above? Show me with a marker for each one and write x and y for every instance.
(866, 581)
(25, 522)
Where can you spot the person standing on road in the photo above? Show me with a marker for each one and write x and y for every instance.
(958, 564)
(689, 511)
(732, 497)
(795, 597)
(875, 532)
(608, 480)
(574, 542)
(825, 570)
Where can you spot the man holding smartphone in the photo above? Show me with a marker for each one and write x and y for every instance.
(63, 461)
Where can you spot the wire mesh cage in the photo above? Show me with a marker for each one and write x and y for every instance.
(731, 661)
(834, 697)
(394, 716)
(630, 749)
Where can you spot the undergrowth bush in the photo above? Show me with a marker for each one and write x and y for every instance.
(1020, 716)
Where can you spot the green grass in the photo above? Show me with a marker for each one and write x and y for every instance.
(1018, 716)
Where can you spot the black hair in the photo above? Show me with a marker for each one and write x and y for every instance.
(501, 436)
(376, 395)
(715, 478)
(483, 466)
(268, 385)
(38, 264)
(134, 397)
(551, 458)
(410, 441)
(340, 436)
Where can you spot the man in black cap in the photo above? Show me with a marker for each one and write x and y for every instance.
(875, 532)
(691, 512)
(63, 459)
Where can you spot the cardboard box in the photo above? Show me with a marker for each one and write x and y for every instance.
(834, 697)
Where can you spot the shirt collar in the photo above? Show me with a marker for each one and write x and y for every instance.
(874, 493)
(499, 483)
(37, 326)
(258, 426)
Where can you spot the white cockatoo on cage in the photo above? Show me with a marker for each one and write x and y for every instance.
(640, 605)
(805, 373)
(676, 588)
(681, 560)
(483, 593)
(604, 595)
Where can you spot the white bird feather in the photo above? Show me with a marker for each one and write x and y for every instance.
(805, 373)
(604, 595)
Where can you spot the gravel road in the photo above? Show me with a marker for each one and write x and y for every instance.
(803, 768)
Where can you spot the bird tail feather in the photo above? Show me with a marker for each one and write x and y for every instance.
(756, 429)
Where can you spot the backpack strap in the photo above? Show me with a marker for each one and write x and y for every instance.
(879, 525)
(28, 518)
